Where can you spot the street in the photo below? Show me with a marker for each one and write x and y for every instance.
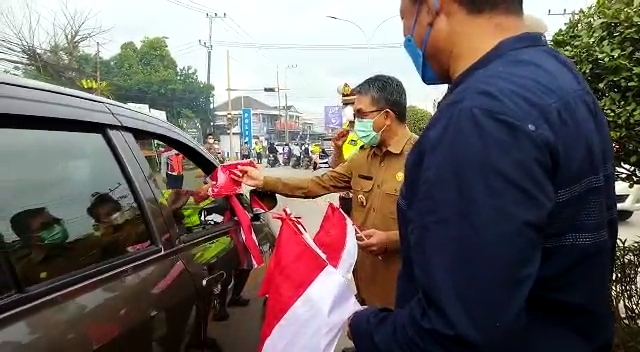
(311, 212)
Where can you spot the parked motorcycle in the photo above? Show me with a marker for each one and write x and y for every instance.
(306, 162)
(295, 163)
(272, 160)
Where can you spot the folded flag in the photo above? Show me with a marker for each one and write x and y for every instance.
(310, 301)
(336, 238)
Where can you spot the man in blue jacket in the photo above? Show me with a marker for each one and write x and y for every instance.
(507, 213)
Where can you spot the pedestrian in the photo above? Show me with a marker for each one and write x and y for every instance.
(172, 168)
(245, 151)
(375, 173)
(258, 150)
(346, 142)
(508, 212)
(210, 144)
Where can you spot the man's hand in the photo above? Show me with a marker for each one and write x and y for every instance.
(250, 176)
(374, 242)
(340, 138)
(164, 180)
(177, 199)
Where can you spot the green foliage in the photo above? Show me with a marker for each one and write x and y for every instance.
(602, 41)
(149, 75)
(625, 294)
(417, 119)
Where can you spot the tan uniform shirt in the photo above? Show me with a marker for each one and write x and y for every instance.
(375, 176)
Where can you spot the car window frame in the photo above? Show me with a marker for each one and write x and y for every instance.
(198, 156)
(24, 295)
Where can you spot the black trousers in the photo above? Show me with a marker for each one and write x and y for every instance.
(259, 157)
(174, 181)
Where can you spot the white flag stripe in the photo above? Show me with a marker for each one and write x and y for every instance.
(350, 254)
(329, 298)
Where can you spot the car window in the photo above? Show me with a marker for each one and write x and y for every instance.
(170, 169)
(65, 204)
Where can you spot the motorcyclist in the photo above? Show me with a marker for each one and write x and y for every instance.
(297, 154)
(273, 153)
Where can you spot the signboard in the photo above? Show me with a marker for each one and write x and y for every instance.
(246, 125)
(332, 117)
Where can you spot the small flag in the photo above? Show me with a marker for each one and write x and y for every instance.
(310, 302)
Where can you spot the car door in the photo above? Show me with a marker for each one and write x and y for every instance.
(78, 280)
(204, 245)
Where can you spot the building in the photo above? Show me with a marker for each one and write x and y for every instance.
(267, 121)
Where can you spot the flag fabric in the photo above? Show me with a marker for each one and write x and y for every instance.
(247, 234)
(310, 301)
(336, 238)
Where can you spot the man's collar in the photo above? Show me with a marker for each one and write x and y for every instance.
(397, 145)
(517, 42)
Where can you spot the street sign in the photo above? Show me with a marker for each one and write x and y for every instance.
(246, 125)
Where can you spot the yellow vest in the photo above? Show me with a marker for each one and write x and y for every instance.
(190, 211)
(351, 145)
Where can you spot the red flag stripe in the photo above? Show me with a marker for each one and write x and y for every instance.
(292, 252)
(246, 231)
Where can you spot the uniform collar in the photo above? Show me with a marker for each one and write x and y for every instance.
(517, 42)
(397, 145)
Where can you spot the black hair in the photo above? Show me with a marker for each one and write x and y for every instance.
(480, 7)
(386, 92)
(20, 221)
(210, 135)
(101, 200)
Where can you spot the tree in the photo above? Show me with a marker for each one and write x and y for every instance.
(417, 119)
(150, 75)
(48, 50)
(602, 42)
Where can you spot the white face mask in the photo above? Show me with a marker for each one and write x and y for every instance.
(117, 218)
(347, 114)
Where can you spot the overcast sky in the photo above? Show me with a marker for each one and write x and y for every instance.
(313, 83)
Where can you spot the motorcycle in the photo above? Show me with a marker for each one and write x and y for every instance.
(306, 162)
(286, 160)
(295, 163)
(272, 160)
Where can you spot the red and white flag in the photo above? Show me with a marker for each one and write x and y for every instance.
(247, 234)
(336, 238)
(309, 300)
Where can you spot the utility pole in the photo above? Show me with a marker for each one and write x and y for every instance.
(286, 102)
(229, 116)
(286, 128)
(208, 44)
(98, 68)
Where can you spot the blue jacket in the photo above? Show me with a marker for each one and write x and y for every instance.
(507, 216)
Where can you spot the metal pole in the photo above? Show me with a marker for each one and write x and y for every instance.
(208, 129)
(286, 128)
(229, 117)
(98, 68)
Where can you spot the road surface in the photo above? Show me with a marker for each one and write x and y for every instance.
(311, 212)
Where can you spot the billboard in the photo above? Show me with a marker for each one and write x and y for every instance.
(332, 117)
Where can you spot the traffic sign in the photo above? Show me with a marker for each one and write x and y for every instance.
(246, 125)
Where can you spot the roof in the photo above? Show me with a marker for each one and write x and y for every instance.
(244, 101)
(291, 108)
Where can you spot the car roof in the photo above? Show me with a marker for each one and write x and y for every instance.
(125, 117)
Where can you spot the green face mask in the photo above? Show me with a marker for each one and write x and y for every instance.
(365, 132)
(55, 235)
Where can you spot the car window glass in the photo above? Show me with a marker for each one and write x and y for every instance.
(65, 204)
(171, 170)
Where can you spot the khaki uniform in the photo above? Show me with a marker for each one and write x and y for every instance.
(375, 177)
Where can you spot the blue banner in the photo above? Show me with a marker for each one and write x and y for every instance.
(246, 126)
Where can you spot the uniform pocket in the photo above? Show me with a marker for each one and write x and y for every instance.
(361, 185)
(390, 199)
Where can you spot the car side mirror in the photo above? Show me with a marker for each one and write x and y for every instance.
(268, 200)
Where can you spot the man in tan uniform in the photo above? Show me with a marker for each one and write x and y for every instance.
(375, 175)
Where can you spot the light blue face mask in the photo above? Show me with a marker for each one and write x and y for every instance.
(365, 132)
(417, 55)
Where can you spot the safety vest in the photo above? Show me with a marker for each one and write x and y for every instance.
(174, 164)
(190, 211)
(258, 148)
(351, 145)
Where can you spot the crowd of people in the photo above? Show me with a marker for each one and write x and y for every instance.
(495, 229)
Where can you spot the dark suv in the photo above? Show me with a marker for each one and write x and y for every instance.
(94, 257)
